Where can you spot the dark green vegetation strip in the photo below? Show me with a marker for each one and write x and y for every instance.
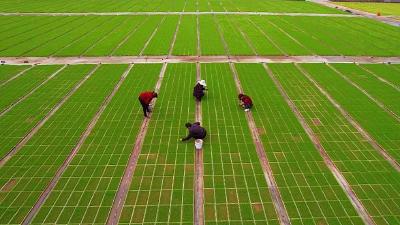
(387, 95)
(7, 72)
(210, 40)
(163, 6)
(162, 186)
(135, 43)
(387, 72)
(92, 179)
(20, 86)
(234, 185)
(266, 35)
(160, 44)
(186, 40)
(369, 115)
(29, 171)
(23, 117)
(309, 191)
(375, 182)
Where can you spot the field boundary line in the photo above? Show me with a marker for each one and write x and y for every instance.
(198, 36)
(266, 167)
(35, 209)
(46, 30)
(17, 75)
(352, 121)
(359, 207)
(197, 58)
(291, 37)
(171, 48)
(376, 101)
(128, 36)
(9, 107)
(319, 40)
(221, 36)
(39, 125)
(199, 168)
(267, 36)
(105, 36)
(177, 13)
(379, 78)
(125, 183)
(152, 36)
(356, 12)
(82, 36)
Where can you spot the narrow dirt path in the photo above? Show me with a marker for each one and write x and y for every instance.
(379, 103)
(35, 209)
(355, 12)
(176, 13)
(196, 58)
(39, 125)
(119, 200)
(353, 122)
(328, 161)
(199, 169)
(32, 91)
(269, 177)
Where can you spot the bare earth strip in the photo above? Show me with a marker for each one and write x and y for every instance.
(35, 129)
(384, 19)
(115, 213)
(16, 76)
(31, 92)
(193, 59)
(35, 209)
(269, 177)
(177, 13)
(380, 104)
(350, 119)
(199, 169)
(328, 161)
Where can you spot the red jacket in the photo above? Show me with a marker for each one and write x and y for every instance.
(146, 97)
(246, 100)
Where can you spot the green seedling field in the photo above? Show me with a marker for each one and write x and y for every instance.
(361, 165)
(243, 35)
(162, 186)
(329, 132)
(163, 6)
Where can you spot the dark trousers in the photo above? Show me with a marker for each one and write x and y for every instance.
(145, 107)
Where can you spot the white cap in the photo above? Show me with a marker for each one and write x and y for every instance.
(202, 82)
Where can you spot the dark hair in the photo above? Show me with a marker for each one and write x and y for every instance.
(240, 96)
(155, 95)
(187, 125)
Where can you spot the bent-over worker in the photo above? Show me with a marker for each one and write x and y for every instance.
(245, 102)
(195, 131)
(145, 99)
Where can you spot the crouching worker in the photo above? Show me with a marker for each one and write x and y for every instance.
(245, 102)
(195, 131)
(145, 99)
(198, 90)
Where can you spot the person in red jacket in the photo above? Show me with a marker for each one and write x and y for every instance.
(145, 99)
(245, 102)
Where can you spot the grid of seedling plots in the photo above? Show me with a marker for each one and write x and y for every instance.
(69, 133)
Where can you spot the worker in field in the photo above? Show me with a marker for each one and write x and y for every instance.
(245, 102)
(145, 99)
(199, 88)
(195, 131)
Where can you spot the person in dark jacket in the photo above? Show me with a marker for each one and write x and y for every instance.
(245, 102)
(195, 131)
(145, 99)
(198, 90)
